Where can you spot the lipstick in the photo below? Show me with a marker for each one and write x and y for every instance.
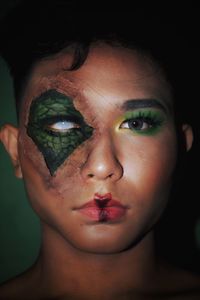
(103, 208)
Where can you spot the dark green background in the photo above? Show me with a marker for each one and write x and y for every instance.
(19, 226)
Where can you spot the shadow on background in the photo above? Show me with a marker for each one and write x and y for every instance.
(178, 232)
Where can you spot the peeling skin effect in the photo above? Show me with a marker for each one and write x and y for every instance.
(117, 108)
(56, 127)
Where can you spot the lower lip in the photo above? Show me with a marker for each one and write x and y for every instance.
(111, 213)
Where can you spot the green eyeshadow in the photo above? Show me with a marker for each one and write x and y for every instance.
(55, 146)
(144, 121)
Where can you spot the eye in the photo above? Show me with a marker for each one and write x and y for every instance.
(139, 124)
(62, 126)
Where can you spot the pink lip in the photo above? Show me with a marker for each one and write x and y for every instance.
(103, 208)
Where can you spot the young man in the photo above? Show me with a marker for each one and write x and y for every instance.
(97, 146)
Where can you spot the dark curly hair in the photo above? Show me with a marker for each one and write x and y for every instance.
(36, 29)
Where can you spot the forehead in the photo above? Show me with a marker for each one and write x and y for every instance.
(109, 73)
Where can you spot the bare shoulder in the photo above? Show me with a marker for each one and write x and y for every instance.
(21, 287)
(178, 283)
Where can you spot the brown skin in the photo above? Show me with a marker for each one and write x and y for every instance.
(80, 259)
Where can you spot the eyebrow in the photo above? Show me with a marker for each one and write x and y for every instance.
(143, 103)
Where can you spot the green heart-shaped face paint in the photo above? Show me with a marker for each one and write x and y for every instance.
(56, 127)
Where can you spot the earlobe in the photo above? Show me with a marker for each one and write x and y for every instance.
(9, 138)
(188, 135)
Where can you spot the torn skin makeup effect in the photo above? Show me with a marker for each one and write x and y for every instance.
(70, 168)
(56, 127)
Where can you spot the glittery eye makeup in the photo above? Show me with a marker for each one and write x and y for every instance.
(56, 127)
(143, 121)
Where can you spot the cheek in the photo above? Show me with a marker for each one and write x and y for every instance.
(149, 163)
(43, 191)
(47, 153)
(148, 170)
(40, 184)
(56, 149)
(30, 157)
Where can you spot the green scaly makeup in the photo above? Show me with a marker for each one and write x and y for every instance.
(56, 127)
(143, 121)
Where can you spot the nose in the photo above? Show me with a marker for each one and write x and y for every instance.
(102, 163)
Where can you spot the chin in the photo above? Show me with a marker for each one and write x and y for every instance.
(100, 247)
(101, 240)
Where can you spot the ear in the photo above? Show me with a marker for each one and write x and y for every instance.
(9, 138)
(188, 136)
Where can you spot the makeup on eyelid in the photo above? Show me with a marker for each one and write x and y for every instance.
(58, 128)
(142, 121)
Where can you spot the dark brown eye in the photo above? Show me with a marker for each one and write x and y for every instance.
(136, 124)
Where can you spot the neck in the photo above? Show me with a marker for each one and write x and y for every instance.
(63, 268)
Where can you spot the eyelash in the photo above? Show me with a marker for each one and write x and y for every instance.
(72, 124)
(143, 122)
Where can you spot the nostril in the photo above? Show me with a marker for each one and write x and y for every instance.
(90, 175)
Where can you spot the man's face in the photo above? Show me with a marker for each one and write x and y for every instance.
(98, 147)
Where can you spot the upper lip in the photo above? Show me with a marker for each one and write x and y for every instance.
(102, 201)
